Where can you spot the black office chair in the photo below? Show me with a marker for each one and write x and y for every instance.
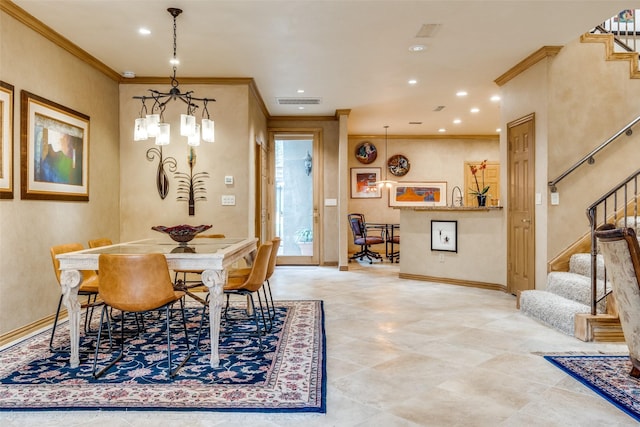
(360, 237)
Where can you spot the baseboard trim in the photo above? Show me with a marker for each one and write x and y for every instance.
(458, 282)
(31, 327)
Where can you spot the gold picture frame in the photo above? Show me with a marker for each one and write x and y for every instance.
(418, 194)
(6, 140)
(54, 150)
(363, 183)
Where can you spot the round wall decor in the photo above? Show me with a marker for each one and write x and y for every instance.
(398, 165)
(366, 152)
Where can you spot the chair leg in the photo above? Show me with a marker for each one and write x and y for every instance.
(95, 356)
(174, 372)
(55, 324)
(272, 312)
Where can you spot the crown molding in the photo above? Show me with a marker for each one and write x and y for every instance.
(537, 56)
(426, 137)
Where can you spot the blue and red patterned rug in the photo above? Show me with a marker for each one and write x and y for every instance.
(288, 376)
(606, 375)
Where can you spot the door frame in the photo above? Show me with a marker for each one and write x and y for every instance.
(511, 251)
(316, 171)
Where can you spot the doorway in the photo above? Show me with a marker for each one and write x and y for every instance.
(521, 205)
(296, 214)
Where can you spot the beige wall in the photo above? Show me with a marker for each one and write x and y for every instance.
(579, 101)
(431, 159)
(231, 154)
(28, 288)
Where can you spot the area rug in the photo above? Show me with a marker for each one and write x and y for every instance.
(606, 375)
(289, 375)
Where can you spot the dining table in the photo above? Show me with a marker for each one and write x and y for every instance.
(387, 231)
(212, 256)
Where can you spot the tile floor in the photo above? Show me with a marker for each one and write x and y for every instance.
(409, 353)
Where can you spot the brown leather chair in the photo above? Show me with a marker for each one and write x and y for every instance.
(621, 252)
(102, 241)
(363, 239)
(137, 284)
(243, 273)
(247, 287)
(88, 287)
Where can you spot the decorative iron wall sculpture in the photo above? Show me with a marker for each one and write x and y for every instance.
(191, 186)
(162, 181)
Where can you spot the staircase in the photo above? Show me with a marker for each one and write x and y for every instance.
(567, 294)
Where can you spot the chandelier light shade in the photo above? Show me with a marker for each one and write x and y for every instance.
(154, 124)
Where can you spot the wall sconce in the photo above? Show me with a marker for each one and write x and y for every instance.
(308, 163)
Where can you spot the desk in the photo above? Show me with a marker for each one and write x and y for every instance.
(390, 236)
(213, 257)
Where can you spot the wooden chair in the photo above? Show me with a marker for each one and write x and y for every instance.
(621, 252)
(137, 284)
(361, 238)
(88, 287)
(243, 273)
(102, 241)
(247, 287)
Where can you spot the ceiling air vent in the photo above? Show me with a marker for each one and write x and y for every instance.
(298, 101)
(428, 30)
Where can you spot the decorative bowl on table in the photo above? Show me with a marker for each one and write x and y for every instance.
(181, 233)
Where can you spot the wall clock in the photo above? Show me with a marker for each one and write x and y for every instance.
(366, 152)
(398, 165)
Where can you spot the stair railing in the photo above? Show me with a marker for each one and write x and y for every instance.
(616, 206)
(624, 28)
(589, 158)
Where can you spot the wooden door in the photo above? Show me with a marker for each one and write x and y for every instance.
(521, 205)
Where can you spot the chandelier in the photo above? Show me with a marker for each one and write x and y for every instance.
(153, 125)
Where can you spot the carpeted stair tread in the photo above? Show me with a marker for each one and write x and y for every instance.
(551, 309)
(581, 264)
(574, 286)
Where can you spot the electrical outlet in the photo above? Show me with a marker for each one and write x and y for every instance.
(441, 259)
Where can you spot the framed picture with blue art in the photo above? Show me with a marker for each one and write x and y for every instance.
(54, 150)
(418, 194)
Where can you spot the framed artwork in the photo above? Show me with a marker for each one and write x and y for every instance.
(363, 183)
(6, 140)
(398, 165)
(366, 152)
(54, 150)
(444, 236)
(418, 194)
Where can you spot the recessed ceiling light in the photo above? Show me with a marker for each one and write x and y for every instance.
(128, 74)
(300, 108)
(495, 98)
(441, 130)
(412, 81)
(461, 93)
(475, 110)
(144, 31)
(417, 48)
(300, 90)
(498, 130)
(457, 121)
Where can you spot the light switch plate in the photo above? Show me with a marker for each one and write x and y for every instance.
(555, 198)
(538, 199)
(331, 202)
(228, 200)
(228, 179)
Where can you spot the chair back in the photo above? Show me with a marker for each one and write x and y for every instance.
(273, 257)
(259, 268)
(621, 252)
(103, 241)
(135, 282)
(356, 222)
(63, 249)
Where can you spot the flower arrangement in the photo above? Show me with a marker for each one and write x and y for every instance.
(474, 171)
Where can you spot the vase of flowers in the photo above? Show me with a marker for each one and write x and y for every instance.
(480, 191)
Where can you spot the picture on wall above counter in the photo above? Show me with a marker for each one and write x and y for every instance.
(398, 165)
(366, 152)
(54, 154)
(418, 194)
(363, 183)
